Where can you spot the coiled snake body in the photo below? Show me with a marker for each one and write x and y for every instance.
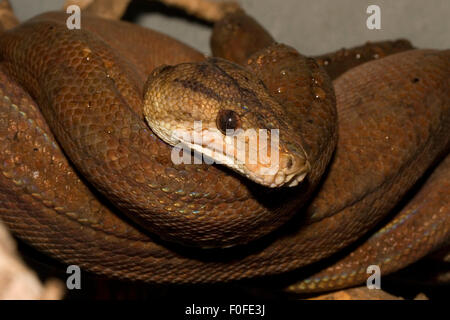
(393, 125)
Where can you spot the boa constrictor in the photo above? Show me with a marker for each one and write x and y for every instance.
(120, 207)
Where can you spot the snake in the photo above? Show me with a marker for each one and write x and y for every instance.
(87, 122)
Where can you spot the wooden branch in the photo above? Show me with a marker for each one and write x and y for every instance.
(205, 9)
(17, 281)
(208, 10)
(8, 19)
(106, 9)
(363, 293)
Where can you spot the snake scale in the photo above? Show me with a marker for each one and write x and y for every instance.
(392, 123)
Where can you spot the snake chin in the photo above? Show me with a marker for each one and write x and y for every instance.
(282, 169)
(286, 176)
(285, 170)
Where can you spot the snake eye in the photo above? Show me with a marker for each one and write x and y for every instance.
(227, 119)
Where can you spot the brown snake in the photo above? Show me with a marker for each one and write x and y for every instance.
(394, 122)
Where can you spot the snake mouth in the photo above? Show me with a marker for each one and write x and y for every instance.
(289, 171)
(274, 170)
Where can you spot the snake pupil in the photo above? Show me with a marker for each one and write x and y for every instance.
(227, 119)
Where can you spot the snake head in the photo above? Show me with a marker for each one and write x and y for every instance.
(224, 112)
